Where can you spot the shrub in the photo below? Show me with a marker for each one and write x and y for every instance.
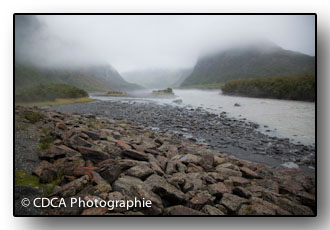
(50, 92)
(291, 88)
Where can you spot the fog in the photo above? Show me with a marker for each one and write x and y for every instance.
(134, 42)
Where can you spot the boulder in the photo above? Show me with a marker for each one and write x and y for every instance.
(136, 155)
(232, 202)
(41, 166)
(242, 192)
(92, 135)
(207, 161)
(140, 192)
(239, 181)
(190, 158)
(294, 208)
(155, 165)
(171, 167)
(166, 191)
(219, 160)
(103, 187)
(226, 172)
(93, 155)
(73, 187)
(124, 184)
(217, 189)
(47, 175)
(110, 172)
(213, 211)
(248, 173)
(56, 152)
(140, 171)
(201, 199)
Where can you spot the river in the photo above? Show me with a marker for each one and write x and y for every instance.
(281, 118)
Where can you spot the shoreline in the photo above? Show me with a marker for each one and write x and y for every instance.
(237, 137)
(99, 158)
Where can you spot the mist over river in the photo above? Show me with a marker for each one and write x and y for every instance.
(280, 118)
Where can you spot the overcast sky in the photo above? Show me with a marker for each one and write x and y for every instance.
(132, 42)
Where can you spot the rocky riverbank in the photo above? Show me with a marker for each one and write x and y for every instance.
(98, 158)
(237, 137)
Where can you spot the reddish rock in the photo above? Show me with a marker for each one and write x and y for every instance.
(239, 181)
(248, 173)
(217, 189)
(94, 155)
(123, 145)
(207, 161)
(225, 172)
(78, 172)
(141, 156)
(191, 167)
(201, 199)
(41, 166)
(83, 135)
(61, 125)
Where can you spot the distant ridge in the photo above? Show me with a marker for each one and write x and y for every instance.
(93, 78)
(255, 60)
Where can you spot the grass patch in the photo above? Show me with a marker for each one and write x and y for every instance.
(46, 140)
(23, 178)
(57, 102)
(31, 116)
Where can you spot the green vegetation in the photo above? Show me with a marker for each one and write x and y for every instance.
(291, 88)
(168, 91)
(95, 78)
(47, 139)
(50, 92)
(249, 62)
(23, 178)
(115, 94)
(205, 86)
(31, 116)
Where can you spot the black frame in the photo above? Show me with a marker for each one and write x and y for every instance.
(164, 14)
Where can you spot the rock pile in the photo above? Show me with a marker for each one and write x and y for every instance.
(99, 158)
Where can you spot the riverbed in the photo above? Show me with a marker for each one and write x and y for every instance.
(280, 118)
(212, 119)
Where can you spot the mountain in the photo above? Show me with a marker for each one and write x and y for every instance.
(92, 78)
(157, 78)
(264, 59)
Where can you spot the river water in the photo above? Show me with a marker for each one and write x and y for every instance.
(281, 118)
